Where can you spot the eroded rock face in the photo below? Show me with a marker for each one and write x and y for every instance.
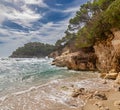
(80, 60)
(54, 54)
(105, 56)
(108, 53)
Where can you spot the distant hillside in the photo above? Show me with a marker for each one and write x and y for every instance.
(33, 49)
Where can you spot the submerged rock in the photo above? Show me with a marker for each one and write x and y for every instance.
(99, 95)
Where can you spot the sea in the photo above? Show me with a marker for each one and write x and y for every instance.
(35, 84)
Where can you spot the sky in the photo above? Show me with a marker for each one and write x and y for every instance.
(23, 21)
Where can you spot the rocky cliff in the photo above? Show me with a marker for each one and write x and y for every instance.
(108, 52)
(104, 56)
(84, 59)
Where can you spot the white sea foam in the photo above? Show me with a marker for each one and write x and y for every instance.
(3, 98)
(34, 79)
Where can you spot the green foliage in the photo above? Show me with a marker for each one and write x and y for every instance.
(112, 14)
(84, 38)
(33, 49)
(103, 4)
(82, 16)
(65, 40)
(105, 15)
(107, 20)
(93, 22)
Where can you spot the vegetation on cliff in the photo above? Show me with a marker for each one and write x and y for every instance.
(96, 26)
(93, 22)
(33, 49)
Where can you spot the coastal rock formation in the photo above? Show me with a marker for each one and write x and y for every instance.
(104, 57)
(111, 75)
(108, 53)
(118, 79)
(81, 60)
(64, 50)
(54, 54)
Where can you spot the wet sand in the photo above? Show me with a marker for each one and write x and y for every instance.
(111, 103)
(58, 95)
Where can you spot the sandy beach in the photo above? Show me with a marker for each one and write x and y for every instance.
(66, 94)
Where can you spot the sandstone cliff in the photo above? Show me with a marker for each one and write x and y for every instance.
(108, 52)
(84, 59)
(104, 56)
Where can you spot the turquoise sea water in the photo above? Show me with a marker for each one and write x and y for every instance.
(18, 74)
(22, 73)
(34, 84)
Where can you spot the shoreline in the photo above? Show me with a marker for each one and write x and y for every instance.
(81, 90)
(64, 94)
(105, 100)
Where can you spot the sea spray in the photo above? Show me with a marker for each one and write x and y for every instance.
(32, 83)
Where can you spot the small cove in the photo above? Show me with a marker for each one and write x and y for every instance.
(36, 81)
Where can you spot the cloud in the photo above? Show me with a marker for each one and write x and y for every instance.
(24, 18)
(57, 4)
(52, 32)
(24, 21)
(19, 11)
(73, 9)
(36, 2)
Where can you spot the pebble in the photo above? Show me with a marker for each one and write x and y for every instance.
(101, 106)
(99, 95)
(78, 92)
(104, 82)
(119, 89)
(117, 103)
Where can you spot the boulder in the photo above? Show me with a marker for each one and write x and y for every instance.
(99, 95)
(117, 103)
(59, 61)
(75, 94)
(54, 54)
(118, 79)
(108, 52)
(78, 92)
(77, 61)
(111, 76)
(102, 75)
